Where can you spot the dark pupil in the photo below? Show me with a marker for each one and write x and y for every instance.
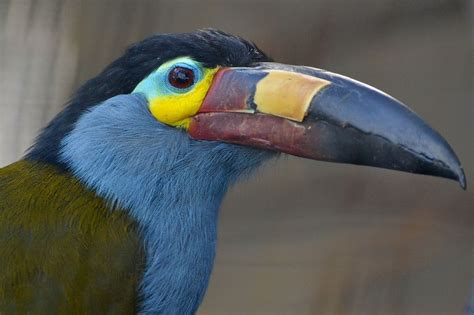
(181, 77)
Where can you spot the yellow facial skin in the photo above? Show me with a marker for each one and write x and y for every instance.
(171, 105)
(176, 109)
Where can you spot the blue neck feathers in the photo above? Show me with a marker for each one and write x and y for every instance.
(170, 184)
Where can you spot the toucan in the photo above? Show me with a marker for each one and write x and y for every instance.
(114, 209)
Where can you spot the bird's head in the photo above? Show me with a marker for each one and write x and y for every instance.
(206, 88)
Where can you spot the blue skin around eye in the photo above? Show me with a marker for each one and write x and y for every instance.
(157, 84)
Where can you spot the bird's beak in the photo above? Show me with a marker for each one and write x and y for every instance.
(323, 116)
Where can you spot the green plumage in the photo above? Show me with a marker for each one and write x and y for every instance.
(62, 249)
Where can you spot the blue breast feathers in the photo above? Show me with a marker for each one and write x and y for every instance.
(170, 184)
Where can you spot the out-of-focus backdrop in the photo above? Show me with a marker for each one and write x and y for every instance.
(302, 237)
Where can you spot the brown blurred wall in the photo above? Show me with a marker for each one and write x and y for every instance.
(301, 237)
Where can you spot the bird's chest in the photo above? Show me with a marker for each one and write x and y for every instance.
(180, 253)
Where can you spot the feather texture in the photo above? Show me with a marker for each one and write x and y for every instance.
(62, 251)
(170, 184)
(167, 183)
(210, 47)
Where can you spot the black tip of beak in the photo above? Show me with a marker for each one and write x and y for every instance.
(462, 180)
(378, 130)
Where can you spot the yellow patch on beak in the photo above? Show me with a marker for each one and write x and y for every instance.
(176, 109)
(287, 94)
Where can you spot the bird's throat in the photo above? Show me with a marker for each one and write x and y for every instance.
(180, 254)
(170, 184)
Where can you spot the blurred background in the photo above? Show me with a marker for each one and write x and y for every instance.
(301, 237)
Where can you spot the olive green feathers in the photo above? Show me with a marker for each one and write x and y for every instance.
(62, 249)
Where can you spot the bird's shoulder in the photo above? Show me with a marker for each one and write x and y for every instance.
(62, 249)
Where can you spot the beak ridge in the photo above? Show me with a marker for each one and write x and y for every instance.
(345, 121)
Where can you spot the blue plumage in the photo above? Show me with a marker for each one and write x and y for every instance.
(170, 184)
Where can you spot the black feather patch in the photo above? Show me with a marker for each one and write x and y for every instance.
(210, 47)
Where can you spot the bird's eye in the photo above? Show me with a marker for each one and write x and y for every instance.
(181, 77)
